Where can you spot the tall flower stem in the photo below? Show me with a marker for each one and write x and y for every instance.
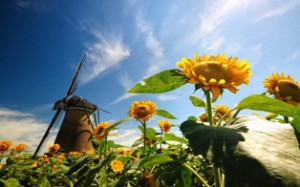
(105, 146)
(161, 135)
(196, 174)
(145, 136)
(216, 170)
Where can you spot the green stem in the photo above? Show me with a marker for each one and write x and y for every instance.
(286, 119)
(105, 146)
(145, 136)
(196, 174)
(216, 170)
(161, 135)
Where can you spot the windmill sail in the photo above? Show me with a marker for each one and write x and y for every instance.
(60, 105)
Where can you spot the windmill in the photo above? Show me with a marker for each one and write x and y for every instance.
(77, 126)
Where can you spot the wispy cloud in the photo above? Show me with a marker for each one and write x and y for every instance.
(166, 97)
(152, 43)
(219, 12)
(129, 136)
(278, 11)
(126, 82)
(215, 45)
(24, 128)
(107, 52)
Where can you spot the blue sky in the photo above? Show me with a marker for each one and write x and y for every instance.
(126, 41)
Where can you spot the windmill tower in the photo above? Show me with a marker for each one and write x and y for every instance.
(77, 127)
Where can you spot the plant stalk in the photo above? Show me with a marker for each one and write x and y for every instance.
(196, 174)
(286, 119)
(105, 146)
(216, 170)
(145, 137)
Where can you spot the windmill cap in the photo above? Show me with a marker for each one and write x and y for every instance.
(74, 102)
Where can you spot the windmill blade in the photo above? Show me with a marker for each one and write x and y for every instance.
(47, 131)
(104, 110)
(73, 85)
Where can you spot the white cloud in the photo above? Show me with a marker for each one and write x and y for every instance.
(22, 127)
(158, 59)
(125, 137)
(165, 97)
(126, 82)
(278, 11)
(107, 52)
(214, 46)
(220, 12)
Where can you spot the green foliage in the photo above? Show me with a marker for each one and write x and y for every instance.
(197, 102)
(173, 137)
(267, 104)
(164, 113)
(296, 121)
(10, 182)
(154, 160)
(164, 81)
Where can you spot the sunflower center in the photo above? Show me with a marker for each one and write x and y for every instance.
(142, 110)
(212, 70)
(289, 88)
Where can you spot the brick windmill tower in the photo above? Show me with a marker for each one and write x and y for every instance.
(77, 126)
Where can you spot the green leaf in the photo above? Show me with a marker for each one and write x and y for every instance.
(154, 160)
(150, 133)
(267, 104)
(197, 102)
(164, 113)
(10, 182)
(43, 182)
(115, 124)
(164, 81)
(296, 121)
(185, 177)
(82, 161)
(173, 137)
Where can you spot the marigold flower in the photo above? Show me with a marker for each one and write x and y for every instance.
(53, 149)
(271, 82)
(142, 110)
(222, 110)
(1, 166)
(117, 166)
(100, 131)
(4, 146)
(164, 125)
(73, 153)
(19, 147)
(121, 151)
(216, 72)
(203, 117)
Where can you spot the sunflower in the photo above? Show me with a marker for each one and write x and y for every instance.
(288, 91)
(117, 166)
(283, 87)
(142, 110)
(215, 73)
(19, 147)
(4, 146)
(164, 125)
(53, 149)
(222, 110)
(271, 82)
(100, 131)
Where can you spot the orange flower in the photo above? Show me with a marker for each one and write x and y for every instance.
(73, 153)
(100, 131)
(164, 125)
(53, 149)
(142, 110)
(117, 166)
(271, 82)
(19, 147)
(283, 87)
(203, 117)
(1, 166)
(215, 73)
(222, 110)
(149, 179)
(4, 146)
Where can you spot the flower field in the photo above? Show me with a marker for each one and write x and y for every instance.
(158, 158)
